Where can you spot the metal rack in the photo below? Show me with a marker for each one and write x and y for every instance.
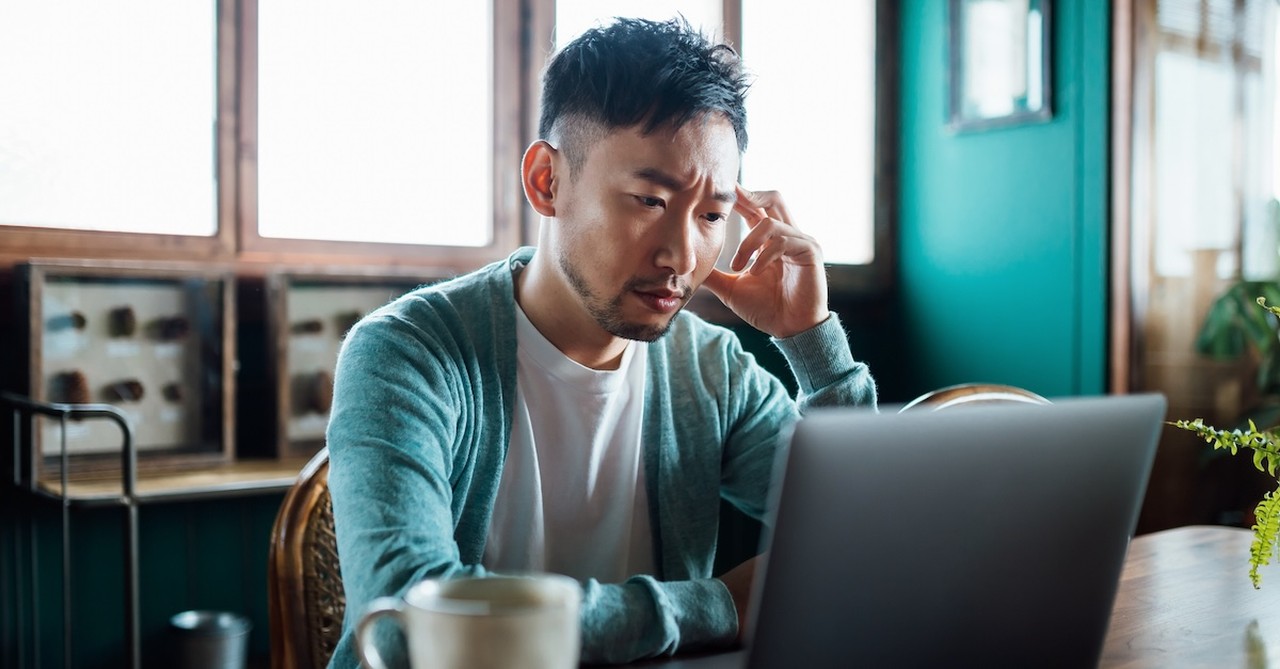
(24, 410)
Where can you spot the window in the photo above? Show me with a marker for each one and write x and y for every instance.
(812, 114)
(107, 116)
(1212, 98)
(368, 130)
(301, 133)
(388, 133)
(574, 17)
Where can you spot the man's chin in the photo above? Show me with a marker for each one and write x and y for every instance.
(646, 332)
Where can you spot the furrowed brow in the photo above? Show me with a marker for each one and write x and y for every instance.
(670, 182)
(657, 176)
(725, 196)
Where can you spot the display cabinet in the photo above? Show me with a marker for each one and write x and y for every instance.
(309, 314)
(153, 340)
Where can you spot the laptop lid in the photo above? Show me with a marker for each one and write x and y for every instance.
(984, 536)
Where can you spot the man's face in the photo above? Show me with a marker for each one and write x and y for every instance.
(640, 223)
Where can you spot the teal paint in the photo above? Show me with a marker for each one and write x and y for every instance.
(192, 555)
(1002, 232)
(1095, 195)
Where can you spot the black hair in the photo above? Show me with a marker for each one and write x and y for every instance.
(633, 72)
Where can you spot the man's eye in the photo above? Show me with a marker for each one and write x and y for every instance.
(647, 201)
(717, 217)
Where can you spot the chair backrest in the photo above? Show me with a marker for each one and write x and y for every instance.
(303, 581)
(972, 394)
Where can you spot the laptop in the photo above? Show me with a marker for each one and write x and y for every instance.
(979, 537)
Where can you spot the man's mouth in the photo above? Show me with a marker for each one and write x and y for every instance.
(662, 300)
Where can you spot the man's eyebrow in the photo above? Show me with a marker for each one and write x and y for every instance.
(670, 182)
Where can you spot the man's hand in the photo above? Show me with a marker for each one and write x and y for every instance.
(739, 581)
(783, 291)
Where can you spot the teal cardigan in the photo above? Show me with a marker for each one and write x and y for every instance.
(421, 420)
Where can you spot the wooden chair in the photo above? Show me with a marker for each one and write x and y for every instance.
(972, 394)
(304, 584)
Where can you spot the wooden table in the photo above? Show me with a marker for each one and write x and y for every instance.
(1185, 601)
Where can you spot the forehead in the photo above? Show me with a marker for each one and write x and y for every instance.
(704, 148)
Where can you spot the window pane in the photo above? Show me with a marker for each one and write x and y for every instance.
(376, 125)
(107, 115)
(1194, 182)
(573, 17)
(1273, 90)
(811, 116)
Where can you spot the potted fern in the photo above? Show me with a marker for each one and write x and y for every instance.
(1227, 328)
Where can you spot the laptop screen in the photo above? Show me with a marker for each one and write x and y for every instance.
(982, 536)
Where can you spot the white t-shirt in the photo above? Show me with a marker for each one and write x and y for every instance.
(572, 498)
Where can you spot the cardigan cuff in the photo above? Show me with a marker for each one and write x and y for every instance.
(819, 356)
(705, 615)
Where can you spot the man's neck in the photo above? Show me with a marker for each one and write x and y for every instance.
(556, 312)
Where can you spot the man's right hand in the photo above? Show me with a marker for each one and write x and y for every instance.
(783, 291)
(740, 581)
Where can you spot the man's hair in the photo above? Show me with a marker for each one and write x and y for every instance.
(638, 72)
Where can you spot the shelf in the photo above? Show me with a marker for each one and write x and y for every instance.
(243, 477)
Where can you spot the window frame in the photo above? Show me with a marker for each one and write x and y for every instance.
(877, 277)
(522, 43)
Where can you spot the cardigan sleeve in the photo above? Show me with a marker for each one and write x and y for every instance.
(762, 413)
(825, 371)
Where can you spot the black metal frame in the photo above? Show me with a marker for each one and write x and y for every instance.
(24, 410)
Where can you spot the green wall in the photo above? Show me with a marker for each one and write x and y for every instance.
(193, 555)
(1003, 233)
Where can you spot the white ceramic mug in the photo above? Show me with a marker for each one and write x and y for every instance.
(499, 622)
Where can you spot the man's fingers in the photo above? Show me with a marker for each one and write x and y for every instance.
(742, 258)
(771, 251)
(751, 243)
(768, 201)
(746, 206)
(719, 283)
(799, 249)
(769, 240)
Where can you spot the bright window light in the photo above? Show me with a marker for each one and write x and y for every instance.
(574, 17)
(107, 115)
(376, 125)
(811, 117)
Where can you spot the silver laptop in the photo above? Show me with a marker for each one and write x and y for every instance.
(979, 537)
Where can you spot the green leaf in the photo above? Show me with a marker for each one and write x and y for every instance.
(1266, 533)
(1266, 456)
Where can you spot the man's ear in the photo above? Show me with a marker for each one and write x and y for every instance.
(538, 175)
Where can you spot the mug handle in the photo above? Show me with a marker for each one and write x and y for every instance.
(365, 647)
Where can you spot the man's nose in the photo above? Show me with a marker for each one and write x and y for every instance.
(678, 248)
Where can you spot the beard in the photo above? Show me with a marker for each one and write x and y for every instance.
(608, 313)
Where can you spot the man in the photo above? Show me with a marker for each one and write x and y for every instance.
(558, 411)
